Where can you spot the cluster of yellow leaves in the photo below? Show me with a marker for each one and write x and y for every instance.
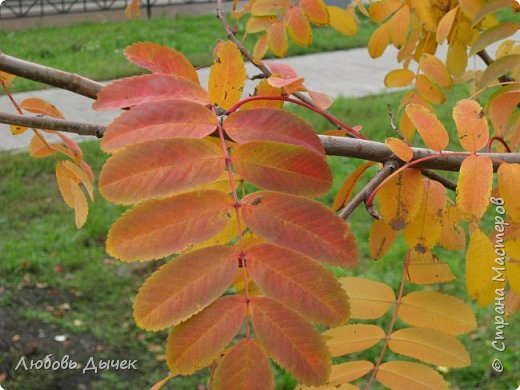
(277, 20)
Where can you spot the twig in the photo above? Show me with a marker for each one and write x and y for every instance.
(394, 126)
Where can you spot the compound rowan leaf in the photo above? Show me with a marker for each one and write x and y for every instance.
(291, 341)
(368, 299)
(424, 231)
(40, 106)
(379, 40)
(499, 68)
(132, 91)
(380, 238)
(430, 346)
(430, 128)
(245, 366)
(425, 268)
(161, 59)
(399, 148)
(300, 224)
(194, 344)
(501, 106)
(431, 309)
(428, 90)
(452, 235)
(347, 188)
(160, 120)
(271, 124)
(445, 25)
(399, 198)
(184, 286)
(474, 185)
(481, 277)
(381, 10)
(509, 187)
(159, 228)
(298, 26)
(349, 371)
(299, 282)
(410, 375)
(342, 21)
(160, 168)
(347, 339)
(227, 76)
(472, 125)
(399, 78)
(316, 11)
(282, 167)
(492, 35)
(277, 39)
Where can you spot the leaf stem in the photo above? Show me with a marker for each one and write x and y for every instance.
(499, 139)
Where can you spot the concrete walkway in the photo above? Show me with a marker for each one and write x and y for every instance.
(339, 73)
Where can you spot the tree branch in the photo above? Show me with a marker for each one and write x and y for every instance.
(50, 76)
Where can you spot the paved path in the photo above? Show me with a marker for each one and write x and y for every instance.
(339, 73)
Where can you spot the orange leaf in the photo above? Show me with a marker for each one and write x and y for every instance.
(399, 26)
(157, 169)
(399, 198)
(399, 148)
(316, 11)
(277, 39)
(132, 10)
(430, 309)
(474, 186)
(194, 344)
(72, 193)
(291, 341)
(342, 20)
(161, 120)
(263, 88)
(80, 204)
(379, 40)
(260, 49)
(501, 106)
(300, 224)
(399, 78)
(149, 88)
(320, 99)
(509, 187)
(492, 35)
(430, 128)
(435, 70)
(428, 90)
(299, 282)
(352, 338)
(40, 149)
(380, 238)
(430, 346)
(369, 299)
(471, 125)
(227, 76)
(349, 371)
(381, 10)
(282, 167)
(298, 27)
(40, 106)
(424, 231)
(161, 59)
(498, 68)
(184, 286)
(79, 175)
(270, 124)
(159, 228)
(409, 375)
(445, 25)
(7, 77)
(347, 188)
(245, 366)
(269, 7)
(425, 268)
(259, 23)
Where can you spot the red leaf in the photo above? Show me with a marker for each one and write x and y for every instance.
(184, 286)
(300, 224)
(271, 124)
(244, 367)
(132, 91)
(299, 282)
(291, 341)
(282, 167)
(195, 343)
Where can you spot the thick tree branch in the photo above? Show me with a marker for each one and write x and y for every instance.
(50, 76)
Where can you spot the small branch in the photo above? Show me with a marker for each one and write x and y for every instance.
(441, 179)
(50, 76)
(394, 126)
(363, 195)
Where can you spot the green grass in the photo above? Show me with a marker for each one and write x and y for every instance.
(37, 233)
(95, 50)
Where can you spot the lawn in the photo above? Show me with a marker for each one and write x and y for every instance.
(95, 50)
(56, 280)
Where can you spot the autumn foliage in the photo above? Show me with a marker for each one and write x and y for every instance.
(225, 186)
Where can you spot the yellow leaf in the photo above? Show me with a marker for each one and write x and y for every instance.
(379, 41)
(409, 375)
(76, 173)
(259, 23)
(17, 130)
(349, 371)
(227, 76)
(269, 7)
(347, 339)
(380, 238)
(483, 275)
(368, 299)
(445, 25)
(471, 7)
(424, 268)
(40, 106)
(342, 21)
(260, 49)
(474, 186)
(347, 188)
(494, 34)
(430, 346)
(381, 10)
(423, 9)
(430, 128)
(399, 78)
(457, 58)
(399, 26)
(399, 148)
(430, 309)
(499, 68)
(263, 88)
(435, 70)
(40, 149)
(509, 187)
(452, 235)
